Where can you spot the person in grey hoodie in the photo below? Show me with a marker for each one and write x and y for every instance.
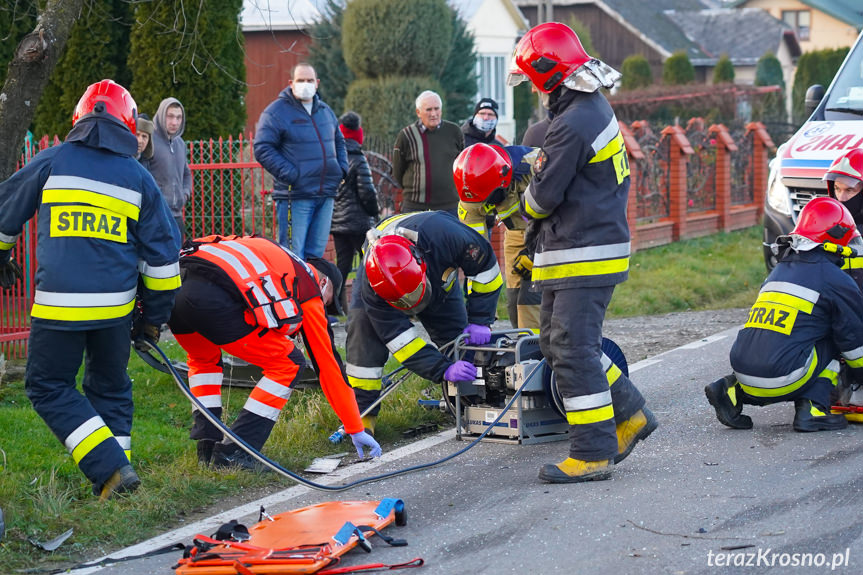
(169, 164)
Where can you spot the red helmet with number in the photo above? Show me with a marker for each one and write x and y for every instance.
(479, 170)
(847, 169)
(397, 272)
(546, 55)
(826, 220)
(108, 99)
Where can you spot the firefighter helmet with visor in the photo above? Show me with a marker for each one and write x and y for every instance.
(826, 220)
(547, 55)
(108, 99)
(482, 173)
(396, 272)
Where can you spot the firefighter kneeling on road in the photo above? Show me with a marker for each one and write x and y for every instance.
(102, 224)
(410, 271)
(808, 314)
(247, 296)
(490, 180)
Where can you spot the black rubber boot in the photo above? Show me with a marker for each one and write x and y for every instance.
(812, 417)
(205, 451)
(123, 480)
(229, 455)
(723, 396)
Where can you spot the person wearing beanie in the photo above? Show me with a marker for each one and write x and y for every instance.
(145, 137)
(482, 126)
(356, 205)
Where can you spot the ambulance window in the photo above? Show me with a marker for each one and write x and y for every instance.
(845, 100)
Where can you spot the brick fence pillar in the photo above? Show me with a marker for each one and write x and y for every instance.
(633, 153)
(724, 145)
(679, 150)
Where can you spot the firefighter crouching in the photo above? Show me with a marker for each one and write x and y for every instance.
(577, 199)
(410, 271)
(248, 296)
(808, 314)
(490, 180)
(102, 220)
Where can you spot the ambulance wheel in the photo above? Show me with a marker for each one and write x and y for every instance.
(401, 517)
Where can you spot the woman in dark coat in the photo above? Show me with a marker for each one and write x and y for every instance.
(356, 205)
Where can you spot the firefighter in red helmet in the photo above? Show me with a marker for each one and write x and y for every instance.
(808, 315)
(249, 296)
(102, 225)
(490, 180)
(577, 206)
(410, 271)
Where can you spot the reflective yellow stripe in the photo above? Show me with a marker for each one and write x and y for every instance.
(90, 442)
(831, 374)
(86, 197)
(590, 415)
(789, 300)
(853, 263)
(408, 350)
(489, 287)
(611, 148)
(613, 374)
(362, 383)
(533, 211)
(785, 389)
(854, 362)
(128, 453)
(577, 269)
(479, 228)
(392, 220)
(6, 247)
(81, 313)
(161, 284)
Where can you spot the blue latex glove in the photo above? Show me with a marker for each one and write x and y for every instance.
(477, 334)
(363, 439)
(460, 371)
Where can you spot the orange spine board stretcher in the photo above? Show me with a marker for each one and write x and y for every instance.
(303, 540)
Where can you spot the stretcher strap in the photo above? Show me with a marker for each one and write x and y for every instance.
(387, 505)
(391, 540)
(416, 562)
(346, 532)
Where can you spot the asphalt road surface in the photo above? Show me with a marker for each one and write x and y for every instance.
(695, 498)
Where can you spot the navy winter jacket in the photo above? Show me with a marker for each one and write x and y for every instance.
(304, 153)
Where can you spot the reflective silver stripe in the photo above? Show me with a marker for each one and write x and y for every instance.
(289, 308)
(591, 401)
(205, 379)
(82, 432)
(256, 262)
(270, 287)
(776, 382)
(8, 239)
(833, 366)
(364, 372)
(606, 362)
(587, 253)
(487, 276)
(853, 354)
(606, 136)
(59, 299)
(809, 295)
(78, 183)
(159, 272)
(531, 202)
(274, 388)
(402, 339)
(262, 409)
(228, 258)
(125, 441)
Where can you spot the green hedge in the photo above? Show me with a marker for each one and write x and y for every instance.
(636, 72)
(677, 70)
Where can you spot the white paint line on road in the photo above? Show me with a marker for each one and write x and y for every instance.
(691, 345)
(642, 364)
(702, 342)
(186, 533)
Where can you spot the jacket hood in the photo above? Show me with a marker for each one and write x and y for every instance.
(102, 133)
(161, 116)
(288, 95)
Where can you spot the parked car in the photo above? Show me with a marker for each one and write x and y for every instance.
(834, 127)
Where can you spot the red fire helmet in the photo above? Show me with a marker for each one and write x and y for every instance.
(826, 220)
(546, 55)
(109, 99)
(396, 271)
(479, 170)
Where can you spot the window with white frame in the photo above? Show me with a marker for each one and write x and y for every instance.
(491, 79)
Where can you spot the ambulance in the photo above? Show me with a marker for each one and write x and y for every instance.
(834, 127)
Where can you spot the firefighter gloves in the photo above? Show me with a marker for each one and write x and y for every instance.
(477, 334)
(523, 264)
(460, 371)
(363, 439)
(10, 273)
(143, 333)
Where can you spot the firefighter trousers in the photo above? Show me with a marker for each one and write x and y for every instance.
(95, 424)
(597, 395)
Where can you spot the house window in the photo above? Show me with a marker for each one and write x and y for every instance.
(799, 20)
(491, 79)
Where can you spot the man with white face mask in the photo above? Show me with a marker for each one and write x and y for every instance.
(298, 141)
(482, 127)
